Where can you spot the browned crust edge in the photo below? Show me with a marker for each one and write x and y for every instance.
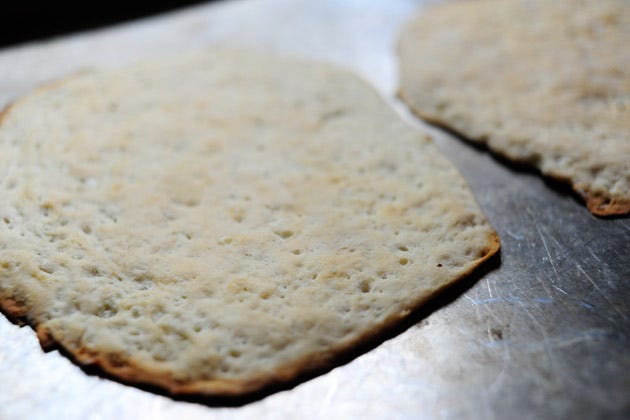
(123, 368)
(597, 203)
(5, 111)
(15, 310)
(51, 84)
(603, 205)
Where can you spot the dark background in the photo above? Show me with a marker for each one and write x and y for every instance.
(27, 20)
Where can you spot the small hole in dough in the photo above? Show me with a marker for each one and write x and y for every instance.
(284, 234)
(365, 286)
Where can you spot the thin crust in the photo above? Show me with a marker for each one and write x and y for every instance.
(525, 89)
(597, 203)
(29, 277)
(129, 372)
(604, 205)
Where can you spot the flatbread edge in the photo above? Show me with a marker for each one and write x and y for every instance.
(596, 203)
(124, 370)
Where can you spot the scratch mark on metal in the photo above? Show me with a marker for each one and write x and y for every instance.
(543, 299)
(543, 332)
(593, 254)
(586, 305)
(489, 290)
(514, 235)
(471, 300)
(478, 312)
(496, 318)
(487, 300)
(553, 265)
(621, 255)
(567, 340)
(601, 293)
(559, 289)
(544, 285)
(560, 250)
(510, 299)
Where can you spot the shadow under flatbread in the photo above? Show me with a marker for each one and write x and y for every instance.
(442, 299)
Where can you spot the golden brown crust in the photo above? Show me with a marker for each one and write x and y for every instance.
(46, 340)
(5, 111)
(601, 205)
(127, 371)
(130, 370)
(123, 368)
(14, 310)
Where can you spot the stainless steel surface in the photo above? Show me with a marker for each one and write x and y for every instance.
(542, 334)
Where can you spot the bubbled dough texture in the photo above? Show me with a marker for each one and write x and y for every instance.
(543, 82)
(212, 224)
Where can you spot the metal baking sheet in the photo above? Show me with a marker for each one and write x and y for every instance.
(542, 332)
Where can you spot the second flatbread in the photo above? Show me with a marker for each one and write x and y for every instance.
(542, 82)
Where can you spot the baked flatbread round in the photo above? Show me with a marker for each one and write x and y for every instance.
(216, 223)
(542, 82)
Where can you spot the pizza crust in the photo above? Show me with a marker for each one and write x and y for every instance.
(125, 370)
(89, 308)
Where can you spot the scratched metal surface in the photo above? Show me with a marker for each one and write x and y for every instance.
(544, 334)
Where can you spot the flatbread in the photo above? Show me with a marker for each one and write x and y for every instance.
(546, 83)
(215, 223)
